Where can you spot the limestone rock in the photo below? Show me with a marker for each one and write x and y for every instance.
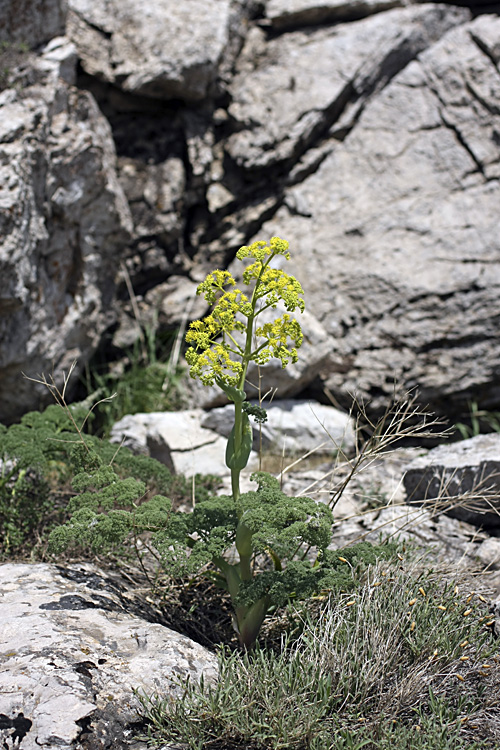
(289, 90)
(72, 654)
(488, 553)
(286, 14)
(293, 426)
(176, 301)
(64, 218)
(31, 22)
(396, 233)
(159, 48)
(466, 473)
(177, 439)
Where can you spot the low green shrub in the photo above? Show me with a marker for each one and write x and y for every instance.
(40, 455)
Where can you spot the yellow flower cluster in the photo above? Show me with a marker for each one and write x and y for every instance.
(276, 286)
(214, 363)
(260, 250)
(215, 355)
(277, 335)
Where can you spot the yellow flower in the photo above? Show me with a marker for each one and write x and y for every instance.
(215, 353)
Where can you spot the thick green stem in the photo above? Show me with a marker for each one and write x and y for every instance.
(244, 547)
(249, 626)
(248, 619)
(238, 426)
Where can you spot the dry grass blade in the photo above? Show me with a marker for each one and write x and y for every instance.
(59, 396)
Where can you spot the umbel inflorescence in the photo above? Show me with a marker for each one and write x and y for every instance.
(216, 354)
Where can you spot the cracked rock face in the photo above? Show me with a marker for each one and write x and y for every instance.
(72, 655)
(303, 81)
(64, 219)
(365, 133)
(398, 231)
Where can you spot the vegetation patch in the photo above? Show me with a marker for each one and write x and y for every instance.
(406, 660)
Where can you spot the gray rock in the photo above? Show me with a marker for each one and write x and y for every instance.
(31, 22)
(175, 301)
(289, 90)
(395, 241)
(464, 474)
(295, 427)
(488, 553)
(177, 439)
(72, 655)
(287, 14)
(64, 219)
(159, 48)
(159, 185)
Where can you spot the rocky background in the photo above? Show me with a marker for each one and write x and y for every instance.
(153, 139)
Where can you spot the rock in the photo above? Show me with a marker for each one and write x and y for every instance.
(464, 474)
(31, 22)
(295, 427)
(488, 553)
(64, 220)
(394, 238)
(159, 48)
(160, 185)
(176, 301)
(177, 439)
(72, 655)
(288, 14)
(290, 90)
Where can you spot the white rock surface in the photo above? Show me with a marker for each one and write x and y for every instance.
(293, 426)
(177, 439)
(72, 655)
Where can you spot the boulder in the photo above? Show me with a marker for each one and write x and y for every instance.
(159, 48)
(64, 220)
(393, 236)
(288, 91)
(31, 22)
(73, 653)
(177, 439)
(288, 14)
(465, 475)
(294, 427)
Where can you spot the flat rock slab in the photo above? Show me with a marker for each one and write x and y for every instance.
(468, 469)
(71, 656)
(287, 14)
(293, 426)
